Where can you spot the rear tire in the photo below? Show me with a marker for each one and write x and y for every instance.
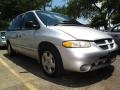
(10, 50)
(51, 62)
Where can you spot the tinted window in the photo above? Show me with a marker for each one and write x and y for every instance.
(29, 17)
(50, 18)
(116, 29)
(16, 23)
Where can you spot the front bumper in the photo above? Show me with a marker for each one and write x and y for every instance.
(86, 59)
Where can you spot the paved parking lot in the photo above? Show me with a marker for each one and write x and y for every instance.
(23, 73)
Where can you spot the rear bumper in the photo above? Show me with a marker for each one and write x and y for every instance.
(3, 43)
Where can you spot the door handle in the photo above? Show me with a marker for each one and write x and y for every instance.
(18, 36)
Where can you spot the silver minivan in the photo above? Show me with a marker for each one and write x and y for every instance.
(59, 43)
(2, 39)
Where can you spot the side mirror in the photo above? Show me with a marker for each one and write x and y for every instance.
(31, 24)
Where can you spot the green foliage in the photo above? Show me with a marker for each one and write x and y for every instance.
(101, 12)
(3, 24)
(84, 8)
(11, 8)
(58, 9)
(98, 21)
(116, 18)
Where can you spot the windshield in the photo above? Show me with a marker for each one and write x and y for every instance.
(51, 18)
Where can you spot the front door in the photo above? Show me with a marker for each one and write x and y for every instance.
(28, 34)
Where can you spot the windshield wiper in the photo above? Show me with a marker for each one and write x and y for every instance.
(68, 22)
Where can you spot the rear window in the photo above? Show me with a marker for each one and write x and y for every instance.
(2, 33)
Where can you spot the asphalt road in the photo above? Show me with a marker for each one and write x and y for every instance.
(23, 73)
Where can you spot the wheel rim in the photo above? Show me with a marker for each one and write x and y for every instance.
(9, 49)
(48, 62)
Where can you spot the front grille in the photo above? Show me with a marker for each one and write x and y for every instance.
(110, 40)
(105, 43)
(99, 63)
(100, 41)
(104, 47)
(111, 45)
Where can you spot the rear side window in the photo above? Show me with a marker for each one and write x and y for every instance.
(16, 23)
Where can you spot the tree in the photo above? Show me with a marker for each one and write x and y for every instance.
(100, 11)
(116, 18)
(11, 8)
(60, 9)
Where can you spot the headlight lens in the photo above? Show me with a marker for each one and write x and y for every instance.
(76, 44)
(3, 37)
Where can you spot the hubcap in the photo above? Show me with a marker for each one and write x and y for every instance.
(48, 62)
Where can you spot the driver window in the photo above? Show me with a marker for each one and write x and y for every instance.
(29, 17)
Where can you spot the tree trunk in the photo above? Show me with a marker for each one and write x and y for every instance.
(105, 27)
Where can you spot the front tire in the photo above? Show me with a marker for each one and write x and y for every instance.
(51, 61)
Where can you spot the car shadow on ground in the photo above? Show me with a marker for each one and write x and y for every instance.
(3, 48)
(69, 79)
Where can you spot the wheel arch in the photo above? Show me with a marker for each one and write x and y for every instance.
(48, 44)
(59, 62)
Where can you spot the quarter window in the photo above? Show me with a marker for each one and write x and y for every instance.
(16, 23)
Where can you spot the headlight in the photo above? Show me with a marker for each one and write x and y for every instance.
(3, 37)
(76, 44)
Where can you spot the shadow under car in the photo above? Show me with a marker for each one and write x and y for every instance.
(69, 79)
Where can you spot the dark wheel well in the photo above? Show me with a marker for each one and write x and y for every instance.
(50, 46)
(47, 44)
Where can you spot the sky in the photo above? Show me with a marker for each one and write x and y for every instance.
(58, 2)
(62, 2)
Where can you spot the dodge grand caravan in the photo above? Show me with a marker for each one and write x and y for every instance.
(59, 43)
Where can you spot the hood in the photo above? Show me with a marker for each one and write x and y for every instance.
(82, 33)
